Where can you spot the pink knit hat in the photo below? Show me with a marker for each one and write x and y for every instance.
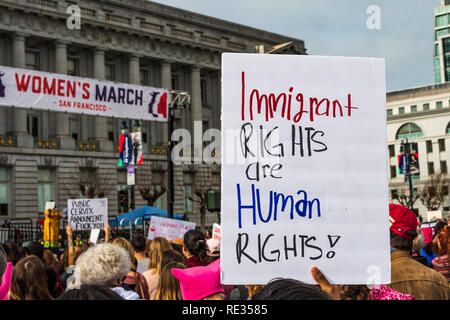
(428, 235)
(6, 282)
(197, 283)
(385, 293)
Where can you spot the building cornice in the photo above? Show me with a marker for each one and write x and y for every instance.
(418, 92)
(419, 114)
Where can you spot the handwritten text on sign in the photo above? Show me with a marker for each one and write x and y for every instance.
(170, 229)
(87, 214)
(304, 168)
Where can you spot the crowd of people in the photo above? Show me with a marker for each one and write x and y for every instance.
(189, 269)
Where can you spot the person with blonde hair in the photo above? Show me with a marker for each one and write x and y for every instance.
(29, 280)
(168, 285)
(134, 280)
(156, 249)
(107, 265)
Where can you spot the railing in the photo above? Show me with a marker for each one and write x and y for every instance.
(90, 145)
(21, 231)
(51, 143)
(158, 150)
(118, 19)
(43, 3)
(152, 26)
(8, 141)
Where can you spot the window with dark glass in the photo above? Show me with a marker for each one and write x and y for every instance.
(32, 60)
(430, 168)
(391, 150)
(5, 192)
(444, 167)
(143, 76)
(393, 171)
(74, 128)
(33, 125)
(73, 66)
(429, 146)
(188, 186)
(110, 72)
(441, 145)
(46, 178)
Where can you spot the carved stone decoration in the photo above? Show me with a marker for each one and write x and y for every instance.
(42, 26)
(3, 159)
(88, 163)
(48, 161)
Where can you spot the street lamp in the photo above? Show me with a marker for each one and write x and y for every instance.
(177, 100)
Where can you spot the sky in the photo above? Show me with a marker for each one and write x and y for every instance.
(339, 28)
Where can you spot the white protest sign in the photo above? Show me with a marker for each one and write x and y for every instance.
(49, 205)
(304, 169)
(87, 214)
(170, 229)
(216, 231)
(94, 236)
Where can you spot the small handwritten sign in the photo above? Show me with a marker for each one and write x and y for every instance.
(87, 214)
(304, 168)
(170, 229)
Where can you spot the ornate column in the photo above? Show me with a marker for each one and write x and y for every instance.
(166, 83)
(197, 113)
(62, 118)
(101, 123)
(20, 115)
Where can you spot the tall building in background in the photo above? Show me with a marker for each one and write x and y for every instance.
(442, 42)
(422, 116)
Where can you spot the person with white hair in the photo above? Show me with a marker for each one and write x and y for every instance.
(105, 265)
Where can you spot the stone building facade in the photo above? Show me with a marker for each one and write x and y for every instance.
(42, 154)
(421, 115)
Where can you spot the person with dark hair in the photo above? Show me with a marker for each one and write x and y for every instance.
(13, 252)
(90, 292)
(290, 289)
(29, 280)
(35, 248)
(139, 243)
(407, 275)
(52, 282)
(195, 249)
(440, 224)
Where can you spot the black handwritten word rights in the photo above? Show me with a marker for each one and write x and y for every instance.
(304, 141)
(269, 248)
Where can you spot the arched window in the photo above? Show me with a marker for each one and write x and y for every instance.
(409, 131)
(448, 128)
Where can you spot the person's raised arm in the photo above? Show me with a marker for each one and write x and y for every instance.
(107, 230)
(70, 244)
(333, 290)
